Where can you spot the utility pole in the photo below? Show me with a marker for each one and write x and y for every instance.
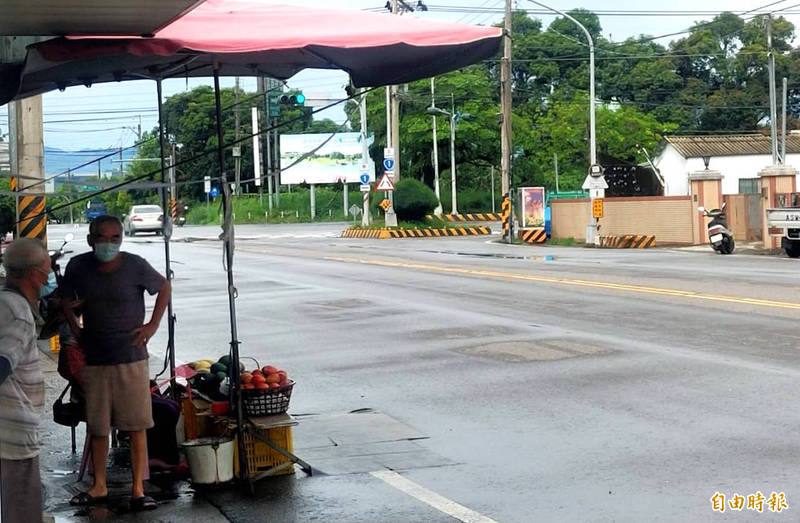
(173, 187)
(264, 144)
(505, 99)
(366, 219)
(555, 165)
(491, 175)
(773, 110)
(453, 152)
(237, 158)
(784, 102)
(438, 210)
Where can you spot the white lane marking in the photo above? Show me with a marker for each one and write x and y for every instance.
(440, 503)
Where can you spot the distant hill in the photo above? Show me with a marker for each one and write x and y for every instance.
(57, 161)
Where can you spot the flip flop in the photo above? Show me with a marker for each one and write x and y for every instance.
(84, 499)
(143, 503)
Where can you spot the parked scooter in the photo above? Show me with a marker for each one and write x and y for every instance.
(719, 235)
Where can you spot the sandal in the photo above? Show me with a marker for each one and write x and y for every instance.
(143, 503)
(84, 499)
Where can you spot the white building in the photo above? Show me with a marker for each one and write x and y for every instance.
(5, 164)
(737, 157)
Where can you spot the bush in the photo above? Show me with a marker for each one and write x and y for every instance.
(413, 200)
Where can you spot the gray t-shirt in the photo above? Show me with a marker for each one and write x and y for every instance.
(113, 305)
(22, 393)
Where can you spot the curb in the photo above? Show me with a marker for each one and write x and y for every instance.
(382, 234)
(478, 217)
(366, 233)
(628, 241)
(533, 236)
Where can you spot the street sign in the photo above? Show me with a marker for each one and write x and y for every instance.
(596, 170)
(366, 188)
(597, 193)
(388, 164)
(594, 182)
(597, 208)
(364, 178)
(388, 152)
(385, 204)
(206, 184)
(214, 192)
(355, 210)
(237, 151)
(385, 184)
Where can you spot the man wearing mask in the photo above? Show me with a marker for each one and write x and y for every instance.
(114, 335)
(27, 267)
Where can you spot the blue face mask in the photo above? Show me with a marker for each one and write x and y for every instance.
(106, 252)
(49, 287)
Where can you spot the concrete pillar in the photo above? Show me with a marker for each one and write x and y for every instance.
(706, 190)
(774, 180)
(27, 160)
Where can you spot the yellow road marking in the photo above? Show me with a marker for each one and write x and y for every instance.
(573, 282)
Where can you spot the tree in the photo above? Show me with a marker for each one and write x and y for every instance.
(564, 130)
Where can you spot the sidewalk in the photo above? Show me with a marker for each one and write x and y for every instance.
(176, 502)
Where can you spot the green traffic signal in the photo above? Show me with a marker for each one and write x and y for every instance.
(293, 99)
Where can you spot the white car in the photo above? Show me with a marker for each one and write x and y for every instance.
(143, 218)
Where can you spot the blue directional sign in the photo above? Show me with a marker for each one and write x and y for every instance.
(214, 192)
(364, 178)
(388, 164)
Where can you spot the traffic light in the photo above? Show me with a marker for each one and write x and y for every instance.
(293, 100)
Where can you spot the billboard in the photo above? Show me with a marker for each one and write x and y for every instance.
(323, 158)
(532, 199)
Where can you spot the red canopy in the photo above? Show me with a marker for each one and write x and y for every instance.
(251, 38)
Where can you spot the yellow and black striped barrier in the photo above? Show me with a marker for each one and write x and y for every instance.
(173, 209)
(366, 233)
(533, 236)
(469, 217)
(628, 241)
(32, 217)
(505, 212)
(437, 233)
(416, 233)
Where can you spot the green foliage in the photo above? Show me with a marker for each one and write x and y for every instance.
(7, 208)
(413, 200)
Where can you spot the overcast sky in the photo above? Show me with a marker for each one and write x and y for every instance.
(117, 129)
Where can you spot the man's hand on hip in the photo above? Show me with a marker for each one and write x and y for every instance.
(143, 334)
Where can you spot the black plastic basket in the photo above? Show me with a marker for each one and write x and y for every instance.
(266, 402)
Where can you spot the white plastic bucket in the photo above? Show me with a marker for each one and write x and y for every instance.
(210, 460)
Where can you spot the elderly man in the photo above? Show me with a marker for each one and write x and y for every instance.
(114, 335)
(27, 267)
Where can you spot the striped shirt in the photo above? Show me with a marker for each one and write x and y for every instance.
(22, 393)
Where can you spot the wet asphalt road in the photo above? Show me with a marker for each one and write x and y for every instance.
(552, 384)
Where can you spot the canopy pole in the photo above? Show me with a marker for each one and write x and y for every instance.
(166, 233)
(227, 238)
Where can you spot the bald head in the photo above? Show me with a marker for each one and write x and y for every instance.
(24, 254)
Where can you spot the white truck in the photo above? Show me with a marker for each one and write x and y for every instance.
(785, 222)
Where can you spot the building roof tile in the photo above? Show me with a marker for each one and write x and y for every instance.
(729, 144)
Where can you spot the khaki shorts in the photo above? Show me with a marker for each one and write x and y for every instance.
(118, 396)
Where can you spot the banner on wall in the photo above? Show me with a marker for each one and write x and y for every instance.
(532, 200)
